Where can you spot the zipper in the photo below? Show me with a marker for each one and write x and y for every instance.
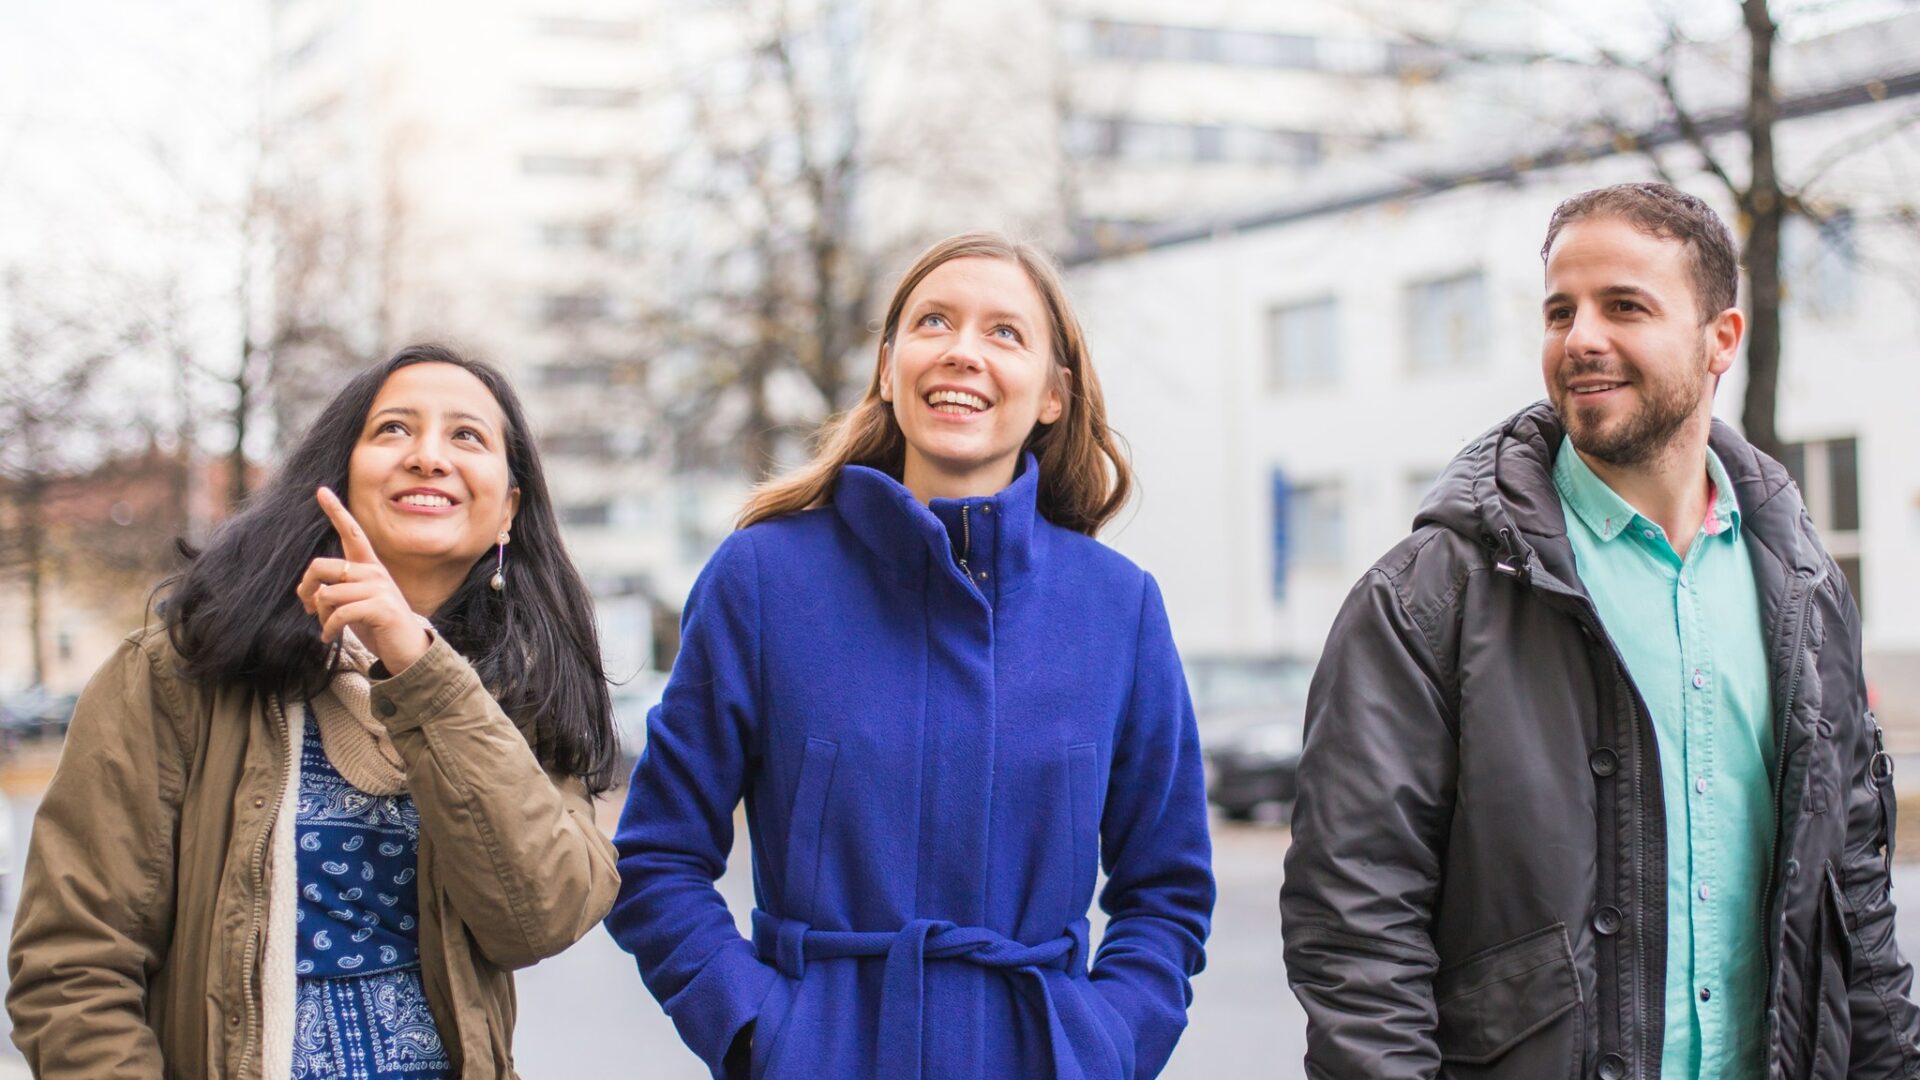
(1517, 566)
(1780, 781)
(258, 868)
(966, 543)
(1779, 815)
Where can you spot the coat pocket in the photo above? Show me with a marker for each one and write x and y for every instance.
(804, 826)
(1525, 991)
(1832, 1016)
(1083, 778)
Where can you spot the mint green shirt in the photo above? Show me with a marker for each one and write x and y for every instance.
(1690, 631)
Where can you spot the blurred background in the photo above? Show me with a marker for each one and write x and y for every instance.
(1304, 237)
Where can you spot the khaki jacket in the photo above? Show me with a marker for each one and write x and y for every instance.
(138, 944)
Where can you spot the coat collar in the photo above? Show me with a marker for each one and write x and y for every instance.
(998, 535)
(1500, 489)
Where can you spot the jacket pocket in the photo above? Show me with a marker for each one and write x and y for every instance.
(804, 826)
(1523, 991)
(1832, 1016)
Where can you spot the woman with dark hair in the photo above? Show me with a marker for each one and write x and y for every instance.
(309, 825)
(947, 707)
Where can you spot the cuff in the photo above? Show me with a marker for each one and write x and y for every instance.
(711, 1009)
(440, 677)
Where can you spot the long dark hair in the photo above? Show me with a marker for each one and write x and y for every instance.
(234, 618)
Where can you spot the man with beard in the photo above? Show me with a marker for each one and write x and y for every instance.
(1590, 787)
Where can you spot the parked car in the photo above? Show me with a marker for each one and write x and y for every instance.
(632, 701)
(34, 714)
(1250, 712)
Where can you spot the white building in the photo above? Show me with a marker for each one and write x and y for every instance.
(1307, 371)
(488, 173)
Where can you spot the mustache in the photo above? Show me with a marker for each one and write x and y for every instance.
(1578, 370)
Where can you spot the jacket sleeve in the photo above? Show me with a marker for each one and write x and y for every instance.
(1377, 778)
(96, 904)
(677, 828)
(1156, 851)
(1886, 1026)
(515, 847)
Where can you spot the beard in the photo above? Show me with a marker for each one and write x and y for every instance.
(1667, 404)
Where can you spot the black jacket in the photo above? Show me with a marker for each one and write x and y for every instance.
(1477, 882)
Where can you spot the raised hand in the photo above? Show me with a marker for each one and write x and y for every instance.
(356, 591)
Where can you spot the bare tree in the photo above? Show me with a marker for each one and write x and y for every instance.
(57, 358)
(776, 288)
(1727, 127)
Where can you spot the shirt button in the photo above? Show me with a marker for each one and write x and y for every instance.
(1699, 679)
(1700, 785)
(1706, 892)
(1706, 994)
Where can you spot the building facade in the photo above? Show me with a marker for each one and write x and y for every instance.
(1292, 384)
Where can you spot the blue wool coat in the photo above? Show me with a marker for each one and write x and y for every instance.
(944, 721)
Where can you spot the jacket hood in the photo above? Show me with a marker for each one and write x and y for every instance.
(1498, 491)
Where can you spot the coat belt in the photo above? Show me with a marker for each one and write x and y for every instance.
(788, 944)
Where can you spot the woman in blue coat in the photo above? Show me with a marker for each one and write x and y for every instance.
(947, 707)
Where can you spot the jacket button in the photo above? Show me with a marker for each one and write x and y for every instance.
(259, 801)
(233, 1019)
(1793, 867)
(386, 706)
(1603, 762)
(1606, 921)
(1612, 1067)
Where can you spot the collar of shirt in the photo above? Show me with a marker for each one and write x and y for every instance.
(1609, 515)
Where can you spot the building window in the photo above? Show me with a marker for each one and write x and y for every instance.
(604, 29)
(1828, 472)
(574, 307)
(1303, 345)
(1107, 39)
(585, 97)
(1817, 261)
(576, 373)
(586, 514)
(1419, 484)
(574, 235)
(580, 444)
(1105, 138)
(1447, 323)
(563, 165)
(1309, 527)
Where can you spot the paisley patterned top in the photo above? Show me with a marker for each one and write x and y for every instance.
(356, 855)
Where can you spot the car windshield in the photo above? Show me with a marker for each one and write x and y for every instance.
(1243, 685)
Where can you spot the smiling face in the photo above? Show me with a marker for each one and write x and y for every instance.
(428, 480)
(970, 372)
(1629, 360)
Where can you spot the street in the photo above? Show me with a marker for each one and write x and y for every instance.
(585, 1013)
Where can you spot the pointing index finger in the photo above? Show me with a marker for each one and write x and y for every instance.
(353, 540)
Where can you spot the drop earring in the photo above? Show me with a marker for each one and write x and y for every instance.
(499, 582)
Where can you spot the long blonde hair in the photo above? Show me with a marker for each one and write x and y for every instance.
(1084, 475)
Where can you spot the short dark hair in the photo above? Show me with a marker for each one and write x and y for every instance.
(1671, 214)
(235, 620)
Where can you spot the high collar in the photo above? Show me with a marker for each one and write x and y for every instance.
(996, 534)
(1500, 489)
